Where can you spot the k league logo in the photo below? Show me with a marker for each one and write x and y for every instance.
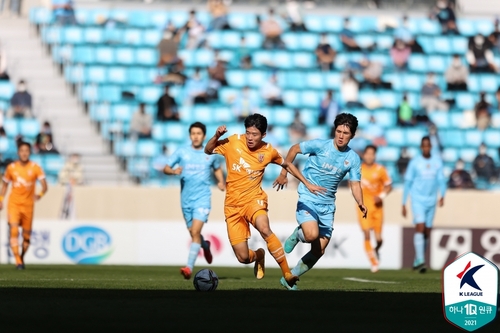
(470, 291)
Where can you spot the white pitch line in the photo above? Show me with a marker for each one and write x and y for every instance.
(368, 281)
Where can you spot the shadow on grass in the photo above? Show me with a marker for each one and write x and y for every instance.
(248, 310)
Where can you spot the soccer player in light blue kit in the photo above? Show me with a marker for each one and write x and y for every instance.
(195, 169)
(423, 179)
(328, 163)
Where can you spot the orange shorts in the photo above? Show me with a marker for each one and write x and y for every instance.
(373, 220)
(20, 215)
(239, 218)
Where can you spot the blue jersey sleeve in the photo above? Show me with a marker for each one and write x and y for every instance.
(311, 146)
(216, 162)
(355, 171)
(409, 176)
(175, 158)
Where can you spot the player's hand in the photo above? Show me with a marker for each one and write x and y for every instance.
(221, 130)
(315, 189)
(37, 197)
(403, 211)
(281, 182)
(221, 186)
(441, 202)
(378, 201)
(178, 171)
(363, 210)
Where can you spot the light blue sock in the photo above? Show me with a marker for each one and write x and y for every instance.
(305, 263)
(204, 245)
(419, 242)
(300, 235)
(193, 254)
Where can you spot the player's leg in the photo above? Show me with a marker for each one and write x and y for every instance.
(308, 229)
(26, 224)
(429, 221)
(418, 238)
(307, 262)
(367, 225)
(14, 220)
(194, 248)
(200, 218)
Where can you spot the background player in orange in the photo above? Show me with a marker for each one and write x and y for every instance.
(246, 203)
(23, 175)
(376, 185)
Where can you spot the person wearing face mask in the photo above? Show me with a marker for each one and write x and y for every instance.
(482, 110)
(484, 166)
(479, 56)
(445, 14)
(271, 30)
(20, 102)
(400, 53)
(460, 178)
(325, 54)
(347, 37)
(404, 33)
(456, 75)
(431, 93)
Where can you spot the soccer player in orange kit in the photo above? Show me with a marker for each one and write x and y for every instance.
(23, 175)
(246, 203)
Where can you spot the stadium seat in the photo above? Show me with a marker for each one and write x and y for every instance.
(473, 84)
(473, 137)
(385, 118)
(365, 41)
(318, 132)
(147, 148)
(40, 15)
(489, 83)
(362, 24)
(495, 120)
(223, 114)
(428, 27)
(242, 21)
(292, 41)
(388, 153)
(314, 23)
(204, 113)
(315, 80)
(132, 37)
(333, 24)
(309, 117)
(452, 138)
(332, 80)
(414, 136)
(465, 101)
(83, 55)
(282, 116)
(6, 90)
(396, 137)
(282, 60)
(52, 164)
(126, 148)
(468, 154)
(29, 128)
(427, 44)
(146, 57)
(459, 45)
(100, 112)
(442, 45)
(175, 132)
(253, 40)
(418, 63)
(291, 98)
(440, 119)
(104, 55)
(304, 60)
(492, 138)
(308, 41)
(72, 35)
(292, 79)
(449, 155)
(151, 37)
(236, 78)
(310, 99)
(122, 112)
(150, 94)
(124, 56)
(384, 42)
(436, 64)
(109, 93)
(467, 27)
(363, 116)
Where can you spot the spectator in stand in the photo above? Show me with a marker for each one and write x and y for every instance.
(297, 129)
(430, 96)
(271, 92)
(3, 134)
(405, 113)
(444, 12)
(271, 30)
(64, 12)
(72, 171)
(218, 10)
(325, 54)
(46, 145)
(349, 91)
(167, 49)
(479, 56)
(196, 89)
(46, 130)
(328, 109)
(347, 37)
(482, 110)
(403, 161)
(195, 31)
(167, 107)
(497, 97)
(404, 33)
(160, 161)
(456, 75)
(217, 72)
(141, 123)
(244, 105)
(244, 54)
(293, 15)
(20, 102)
(374, 133)
(400, 53)
(437, 147)
(460, 178)
(372, 74)
(484, 166)
(3, 64)
(494, 37)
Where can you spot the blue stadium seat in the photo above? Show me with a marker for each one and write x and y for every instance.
(396, 137)
(255, 78)
(126, 148)
(452, 138)
(203, 58)
(292, 79)
(224, 39)
(365, 41)
(89, 93)
(436, 64)
(465, 101)
(495, 120)
(242, 21)
(253, 40)
(100, 112)
(473, 137)
(333, 80)
(146, 57)
(459, 45)
(427, 44)
(314, 23)
(113, 35)
(158, 132)
(83, 55)
(315, 80)
(204, 113)
(29, 128)
(484, 27)
(291, 98)
(158, 19)
(309, 117)
(362, 24)
(122, 112)
(468, 154)
(73, 35)
(223, 114)
(388, 154)
(308, 41)
(52, 164)
(40, 15)
(333, 24)
(109, 93)
(467, 27)
(11, 127)
(442, 45)
(4, 145)
(418, 63)
(440, 119)
(93, 35)
(310, 99)
(384, 42)
(132, 37)
(140, 19)
(304, 60)
(236, 78)
(449, 155)
(124, 56)
(389, 99)
(473, 84)
(363, 116)
(96, 74)
(6, 90)
(150, 94)
(151, 37)
(489, 83)
(117, 75)
(282, 59)
(318, 132)
(492, 138)
(414, 136)
(428, 27)
(147, 148)
(104, 55)
(51, 35)
(176, 132)
(292, 41)
(138, 76)
(282, 116)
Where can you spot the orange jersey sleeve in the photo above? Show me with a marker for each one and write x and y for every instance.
(373, 180)
(23, 179)
(245, 169)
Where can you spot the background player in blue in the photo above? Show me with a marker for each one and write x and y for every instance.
(423, 179)
(195, 169)
(328, 163)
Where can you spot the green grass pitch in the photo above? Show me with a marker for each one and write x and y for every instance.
(158, 299)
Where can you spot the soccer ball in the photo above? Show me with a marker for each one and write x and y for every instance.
(205, 280)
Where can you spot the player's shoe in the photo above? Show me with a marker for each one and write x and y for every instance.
(285, 284)
(291, 241)
(291, 279)
(20, 267)
(259, 268)
(207, 253)
(186, 272)
(419, 267)
(374, 269)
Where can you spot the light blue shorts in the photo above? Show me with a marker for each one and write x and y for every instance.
(423, 214)
(321, 213)
(191, 214)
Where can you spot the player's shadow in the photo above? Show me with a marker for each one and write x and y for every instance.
(279, 310)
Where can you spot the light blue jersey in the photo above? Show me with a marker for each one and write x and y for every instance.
(423, 179)
(326, 167)
(196, 175)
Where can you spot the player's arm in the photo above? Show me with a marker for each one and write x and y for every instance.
(169, 171)
(357, 193)
(282, 179)
(408, 181)
(385, 191)
(214, 141)
(442, 186)
(289, 167)
(44, 190)
(3, 192)
(220, 179)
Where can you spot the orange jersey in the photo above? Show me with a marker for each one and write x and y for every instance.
(373, 180)
(23, 179)
(245, 169)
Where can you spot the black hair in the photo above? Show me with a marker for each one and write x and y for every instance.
(23, 143)
(200, 126)
(428, 138)
(346, 119)
(257, 120)
(370, 147)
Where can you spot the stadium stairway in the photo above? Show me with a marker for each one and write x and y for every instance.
(52, 99)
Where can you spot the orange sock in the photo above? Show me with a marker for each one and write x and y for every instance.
(370, 253)
(276, 249)
(14, 244)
